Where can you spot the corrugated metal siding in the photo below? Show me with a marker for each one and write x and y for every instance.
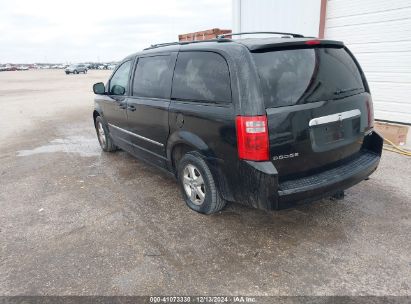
(296, 16)
(378, 33)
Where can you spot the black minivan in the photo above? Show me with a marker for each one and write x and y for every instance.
(266, 122)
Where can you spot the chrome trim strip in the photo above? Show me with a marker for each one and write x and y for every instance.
(334, 117)
(141, 148)
(138, 136)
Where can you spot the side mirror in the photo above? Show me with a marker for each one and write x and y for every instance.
(99, 88)
(118, 90)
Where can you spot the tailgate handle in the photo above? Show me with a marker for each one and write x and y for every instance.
(334, 117)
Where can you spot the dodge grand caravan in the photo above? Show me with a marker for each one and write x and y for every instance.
(266, 122)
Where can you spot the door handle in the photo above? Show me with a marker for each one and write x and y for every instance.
(131, 108)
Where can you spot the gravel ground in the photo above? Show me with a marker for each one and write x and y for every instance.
(76, 221)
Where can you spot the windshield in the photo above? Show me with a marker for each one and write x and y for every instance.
(298, 76)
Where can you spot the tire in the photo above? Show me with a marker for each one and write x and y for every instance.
(193, 166)
(85, 71)
(75, 72)
(103, 136)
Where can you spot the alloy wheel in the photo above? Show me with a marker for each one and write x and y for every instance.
(101, 133)
(193, 184)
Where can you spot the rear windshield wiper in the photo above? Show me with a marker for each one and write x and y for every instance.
(342, 91)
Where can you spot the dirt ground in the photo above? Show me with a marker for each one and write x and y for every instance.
(76, 221)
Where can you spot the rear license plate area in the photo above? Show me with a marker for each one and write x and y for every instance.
(332, 132)
(332, 135)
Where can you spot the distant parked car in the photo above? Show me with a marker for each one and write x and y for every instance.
(58, 66)
(10, 68)
(22, 68)
(93, 66)
(76, 68)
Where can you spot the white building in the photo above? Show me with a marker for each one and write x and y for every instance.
(378, 32)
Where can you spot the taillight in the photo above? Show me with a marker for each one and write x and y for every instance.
(252, 137)
(370, 113)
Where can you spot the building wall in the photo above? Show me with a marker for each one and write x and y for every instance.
(295, 16)
(379, 34)
(377, 31)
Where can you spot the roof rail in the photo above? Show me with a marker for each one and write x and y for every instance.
(153, 46)
(252, 33)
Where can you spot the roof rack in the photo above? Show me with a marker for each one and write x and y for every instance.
(220, 38)
(153, 46)
(252, 33)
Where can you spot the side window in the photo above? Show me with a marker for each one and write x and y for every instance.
(152, 77)
(119, 81)
(201, 76)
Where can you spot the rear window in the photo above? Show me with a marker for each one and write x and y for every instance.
(290, 77)
(201, 77)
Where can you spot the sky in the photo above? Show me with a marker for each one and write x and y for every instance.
(72, 31)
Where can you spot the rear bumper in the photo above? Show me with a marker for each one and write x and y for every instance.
(327, 183)
(259, 186)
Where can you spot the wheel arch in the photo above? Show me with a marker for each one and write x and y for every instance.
(181, 142)
(97, 112)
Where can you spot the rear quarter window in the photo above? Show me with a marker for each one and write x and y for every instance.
(297, 76)
(201, 77)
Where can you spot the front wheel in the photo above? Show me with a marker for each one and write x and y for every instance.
(198, 186)
(75, 72)
(106, 143)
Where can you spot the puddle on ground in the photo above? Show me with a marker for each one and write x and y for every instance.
(81, 145)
